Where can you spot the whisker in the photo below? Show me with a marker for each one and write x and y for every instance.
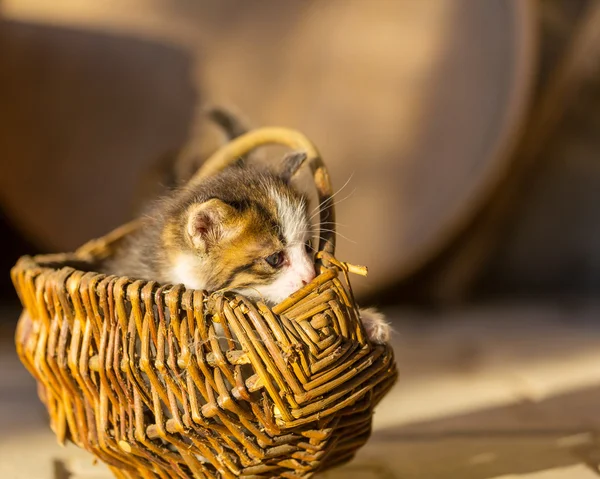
(337, 192)
(334, 223)
(317, 227)
(333, 204)
(312, 249)
(338, 234)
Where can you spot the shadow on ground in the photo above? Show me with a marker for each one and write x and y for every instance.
(508, 441)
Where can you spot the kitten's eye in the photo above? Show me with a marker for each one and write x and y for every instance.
(275, 260)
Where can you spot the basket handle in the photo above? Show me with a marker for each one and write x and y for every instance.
(242, 145)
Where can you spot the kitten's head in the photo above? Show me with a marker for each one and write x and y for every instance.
(248, 231)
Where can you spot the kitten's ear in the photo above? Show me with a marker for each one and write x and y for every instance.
(291, 163)
(205, 222)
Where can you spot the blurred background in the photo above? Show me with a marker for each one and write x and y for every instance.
(467, 135)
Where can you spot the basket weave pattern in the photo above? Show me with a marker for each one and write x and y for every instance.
(159, 381)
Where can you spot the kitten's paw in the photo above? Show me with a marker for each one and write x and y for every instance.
(377, 328)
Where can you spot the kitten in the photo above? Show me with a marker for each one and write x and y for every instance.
(244, 229)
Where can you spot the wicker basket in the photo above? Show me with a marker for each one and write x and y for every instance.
(134, 372)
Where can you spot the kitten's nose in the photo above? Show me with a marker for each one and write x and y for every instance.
(308, 278)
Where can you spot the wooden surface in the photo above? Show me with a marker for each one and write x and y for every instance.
(494, 392)
(414, 102)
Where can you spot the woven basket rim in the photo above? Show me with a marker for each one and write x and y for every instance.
(62, 265)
